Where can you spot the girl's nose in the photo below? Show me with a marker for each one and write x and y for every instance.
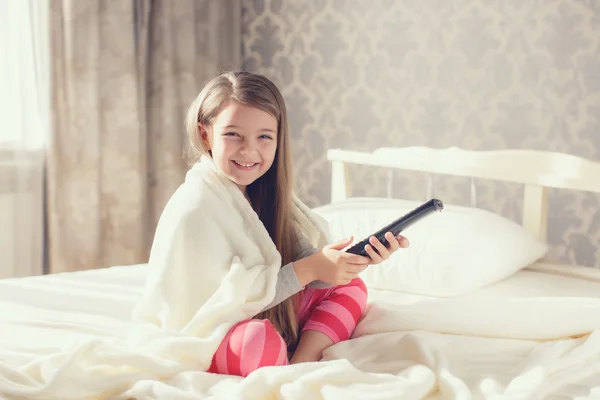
(247, 148)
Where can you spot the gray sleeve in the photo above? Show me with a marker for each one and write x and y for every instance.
(287, 281)
(287, 285)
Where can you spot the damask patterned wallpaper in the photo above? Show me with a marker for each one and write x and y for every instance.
(478, 74)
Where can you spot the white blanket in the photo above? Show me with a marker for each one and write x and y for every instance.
(488, 345)
(387, 359)
(212, 264)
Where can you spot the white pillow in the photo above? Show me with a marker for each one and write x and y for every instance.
(453, 252)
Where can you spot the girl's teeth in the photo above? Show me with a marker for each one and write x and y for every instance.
(244, 165)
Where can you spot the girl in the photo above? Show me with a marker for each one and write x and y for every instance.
(240, 121)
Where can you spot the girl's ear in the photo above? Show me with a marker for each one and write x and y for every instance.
(204, 136)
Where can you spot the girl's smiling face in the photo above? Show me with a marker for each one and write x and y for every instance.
(243, 142)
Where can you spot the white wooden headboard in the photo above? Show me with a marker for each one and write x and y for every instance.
(537, 170)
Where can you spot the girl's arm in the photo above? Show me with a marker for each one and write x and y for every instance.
(305, 275)
(297, 275)
(291, 279)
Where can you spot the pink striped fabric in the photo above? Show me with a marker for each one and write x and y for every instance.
(254, 343)
(338, 308)
(248, 346)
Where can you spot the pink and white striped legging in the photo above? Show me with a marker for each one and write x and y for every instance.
(255, 343)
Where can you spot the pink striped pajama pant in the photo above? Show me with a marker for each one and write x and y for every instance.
(255, 343)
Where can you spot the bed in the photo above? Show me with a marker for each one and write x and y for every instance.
(516, 328)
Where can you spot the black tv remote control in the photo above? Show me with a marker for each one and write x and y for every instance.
(398, 226)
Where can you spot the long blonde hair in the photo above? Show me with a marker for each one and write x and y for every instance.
(271, 194)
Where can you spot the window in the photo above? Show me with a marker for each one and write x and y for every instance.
(24, 74)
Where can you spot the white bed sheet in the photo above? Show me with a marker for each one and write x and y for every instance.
(487, 344)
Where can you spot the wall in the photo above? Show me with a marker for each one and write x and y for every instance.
(475, 74)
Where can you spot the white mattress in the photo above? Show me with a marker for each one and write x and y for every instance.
(534, 335)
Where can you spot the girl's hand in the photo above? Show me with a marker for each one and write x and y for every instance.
(336, 267)
(394, 243)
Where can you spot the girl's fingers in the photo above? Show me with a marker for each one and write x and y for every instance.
(403, 241)
(355, 259)
(375, 258)
(393, 241)
(383, 252)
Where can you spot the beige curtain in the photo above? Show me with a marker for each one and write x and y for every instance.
(123, 75)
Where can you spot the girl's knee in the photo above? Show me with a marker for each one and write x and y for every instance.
(359, 283)
(262, 333)
(249, 346)
(263, 347)
(358, 291)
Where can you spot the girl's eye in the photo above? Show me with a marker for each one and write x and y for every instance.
(266, 137)
(230, 134)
